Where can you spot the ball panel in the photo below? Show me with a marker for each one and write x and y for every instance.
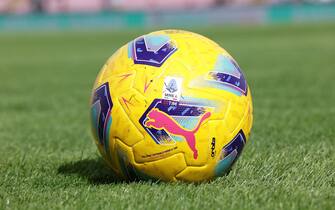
(156, 152)
(164, 169)
(147, 81)
(120, 82)
(123, 127)
(196, 174)
(123, 159)
(118, 63)
(230, 153)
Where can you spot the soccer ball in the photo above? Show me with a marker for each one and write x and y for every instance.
(171, 105)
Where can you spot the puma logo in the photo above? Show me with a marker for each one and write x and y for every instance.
(162, 121)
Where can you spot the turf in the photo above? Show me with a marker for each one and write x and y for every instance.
(48, 160)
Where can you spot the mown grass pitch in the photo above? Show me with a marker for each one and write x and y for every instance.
(48, 159)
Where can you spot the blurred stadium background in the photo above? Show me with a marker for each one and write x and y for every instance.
(29, 14)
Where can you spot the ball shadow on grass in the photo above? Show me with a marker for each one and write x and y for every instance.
(94, 170)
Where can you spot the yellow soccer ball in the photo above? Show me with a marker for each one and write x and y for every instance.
(171, 105)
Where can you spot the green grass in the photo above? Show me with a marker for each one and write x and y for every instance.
(48, 159)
